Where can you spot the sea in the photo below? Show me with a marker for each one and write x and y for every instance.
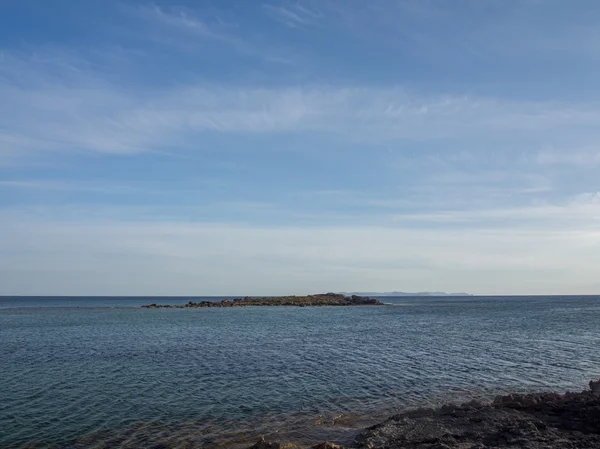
(102, 372)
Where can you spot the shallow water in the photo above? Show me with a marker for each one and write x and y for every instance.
(102, 372)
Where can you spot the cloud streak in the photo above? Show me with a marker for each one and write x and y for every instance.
(184, 30)
(293, 15)
(300, 145)
(271, 260)
(94, 115)
(578, 157)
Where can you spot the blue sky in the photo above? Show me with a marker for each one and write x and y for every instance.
(267, 147)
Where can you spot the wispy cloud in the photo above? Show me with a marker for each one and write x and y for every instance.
(294, 15)
(580, 212)
(182, 19)
(32, 184)
(292, 260)
(106, 187)
(377, 143)
(87, 113)
(487, 208)
(185, 30)
(499, 209)
(580, 157)
(500, 29)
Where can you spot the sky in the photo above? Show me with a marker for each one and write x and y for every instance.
(238, 147)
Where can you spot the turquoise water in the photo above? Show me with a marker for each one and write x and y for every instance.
(102, 372)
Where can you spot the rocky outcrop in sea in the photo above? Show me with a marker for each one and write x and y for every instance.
(528, 421)
(323, 299)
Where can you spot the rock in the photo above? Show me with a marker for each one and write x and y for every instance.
(595, 386)
(262, 444)
(362, 300)
(448, 409)
(529, 421)
(327, 445)
(324, 299)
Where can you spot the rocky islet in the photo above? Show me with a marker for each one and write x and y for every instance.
(323, 299)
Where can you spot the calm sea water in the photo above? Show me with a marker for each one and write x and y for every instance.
(102, 372)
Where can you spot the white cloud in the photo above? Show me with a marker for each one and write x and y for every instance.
(180, 18)
(446, 30)
(184, 30)
(579, 157)
(203, 259)
(460, 217)
(293, 15)
(106, 187)
(537, 249)
(32, 184)
(581, 211)
(84, 112)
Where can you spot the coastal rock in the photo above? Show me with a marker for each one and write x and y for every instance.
(363, 300)
(327, 445)
(262, 444)
(530, 421)
(525, 421)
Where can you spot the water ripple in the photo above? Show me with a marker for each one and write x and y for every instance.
(104, 377)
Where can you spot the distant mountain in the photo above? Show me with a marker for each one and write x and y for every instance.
(407, 294)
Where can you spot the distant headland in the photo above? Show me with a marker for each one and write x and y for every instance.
(322, 299)
(408, 294)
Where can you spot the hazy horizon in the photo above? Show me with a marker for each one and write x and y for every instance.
(148, 148)
(404, 295)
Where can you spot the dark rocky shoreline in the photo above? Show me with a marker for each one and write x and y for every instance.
(323, 299)
(530, 421)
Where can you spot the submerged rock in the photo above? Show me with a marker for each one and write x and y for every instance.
(262, 444)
